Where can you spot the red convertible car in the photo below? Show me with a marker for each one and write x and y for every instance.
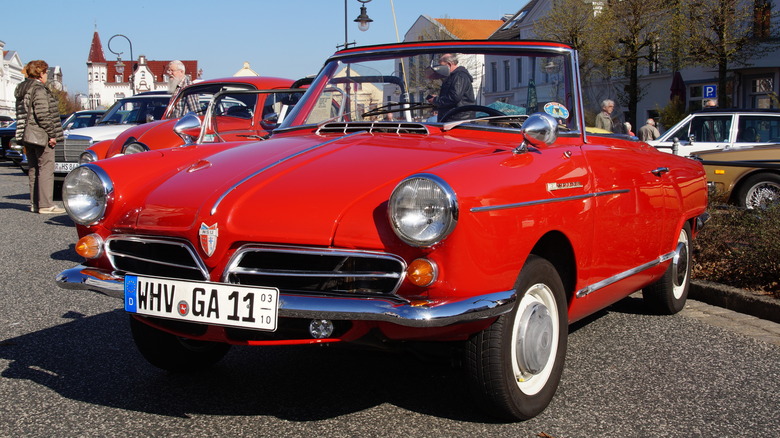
(242, 115)
(360, 221)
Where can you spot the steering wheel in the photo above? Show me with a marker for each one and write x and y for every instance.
(476, 108)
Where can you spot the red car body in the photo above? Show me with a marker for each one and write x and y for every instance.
(160, 134)
(492, 232)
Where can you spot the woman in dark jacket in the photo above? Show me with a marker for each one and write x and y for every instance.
(38, 129)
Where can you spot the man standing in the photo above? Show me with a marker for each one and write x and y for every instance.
(456, 89)
(604, 119)
(649, 131)
(179, 80)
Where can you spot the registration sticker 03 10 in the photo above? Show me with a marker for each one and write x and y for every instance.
(224, 304)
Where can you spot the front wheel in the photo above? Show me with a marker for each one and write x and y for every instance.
(669, 293)
(760, 191)
(173, 353)
(514, 366)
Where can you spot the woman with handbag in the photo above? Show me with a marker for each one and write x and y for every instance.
(38, 129)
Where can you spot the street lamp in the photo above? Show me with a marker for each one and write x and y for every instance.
(120, 66)
(363, 20)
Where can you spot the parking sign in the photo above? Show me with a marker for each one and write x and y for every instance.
(710, 91)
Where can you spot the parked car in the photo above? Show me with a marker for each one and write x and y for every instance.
(721, 129)
(6, 134)
(489, 235)
(244, 114)
(82, 119)
(749, 178)
(124, 114)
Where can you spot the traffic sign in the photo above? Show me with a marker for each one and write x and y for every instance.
(710, 91)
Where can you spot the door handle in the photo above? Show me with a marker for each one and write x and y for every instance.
(660, 171)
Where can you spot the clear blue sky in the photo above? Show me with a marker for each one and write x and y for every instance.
(287, 38)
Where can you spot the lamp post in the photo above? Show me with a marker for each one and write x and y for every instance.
(120, 66)
(362, 20)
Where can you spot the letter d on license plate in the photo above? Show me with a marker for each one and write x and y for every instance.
(223, 304)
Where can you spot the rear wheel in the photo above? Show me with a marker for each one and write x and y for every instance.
(669, 293)
(515, 365)
(173, 353)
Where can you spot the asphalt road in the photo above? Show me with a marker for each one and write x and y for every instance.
(68, 367)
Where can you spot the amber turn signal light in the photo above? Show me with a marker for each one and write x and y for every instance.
(422, 272)
(90, 246)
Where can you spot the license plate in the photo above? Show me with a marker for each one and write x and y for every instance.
(65, 167)
(222, 304)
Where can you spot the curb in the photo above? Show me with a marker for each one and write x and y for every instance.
(738, 300)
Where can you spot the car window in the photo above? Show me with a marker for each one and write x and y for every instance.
(681, 133)
(196, 98)
(711, 128)
(758, 129)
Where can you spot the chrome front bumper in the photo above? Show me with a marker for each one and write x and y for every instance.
(334, 308)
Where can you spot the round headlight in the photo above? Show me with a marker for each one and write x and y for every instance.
(423, 210)
(86, 193)
(134, 148)
(87, 157)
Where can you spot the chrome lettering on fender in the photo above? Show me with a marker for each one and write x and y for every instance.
(561, 186)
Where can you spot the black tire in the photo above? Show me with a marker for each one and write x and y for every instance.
(668, 295)
(759, 191)
(471, 108)
(173, 353)
(497, 359)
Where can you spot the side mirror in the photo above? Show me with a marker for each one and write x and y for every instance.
(691, 138)
(270, 122)
(188, 128)
(539, 129)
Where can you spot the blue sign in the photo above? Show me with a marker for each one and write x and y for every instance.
(710, 91)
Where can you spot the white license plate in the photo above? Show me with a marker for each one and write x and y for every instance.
(222, 304)
(65, 167)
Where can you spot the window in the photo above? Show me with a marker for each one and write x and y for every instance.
(711, 128)
(506, 75)
(654, 66)
(493, 77)
(758, 129)
(762, 18)
(760, 92)
(119, 78)
(519, 66)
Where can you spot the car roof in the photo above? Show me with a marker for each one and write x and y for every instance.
(737, 110)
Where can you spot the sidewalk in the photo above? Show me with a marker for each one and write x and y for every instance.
(735, 299)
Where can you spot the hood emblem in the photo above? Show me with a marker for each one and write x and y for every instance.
(208, 238)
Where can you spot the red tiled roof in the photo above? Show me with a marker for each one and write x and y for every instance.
(96, 50)
(466, 29)
(158, 69)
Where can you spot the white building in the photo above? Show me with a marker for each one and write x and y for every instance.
(10, 77)
(109, 81)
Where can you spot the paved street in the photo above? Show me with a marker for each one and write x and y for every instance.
(68, 367)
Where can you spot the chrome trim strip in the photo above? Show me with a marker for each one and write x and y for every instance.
(289, 157)
(547, 201)
(313, 274)
(614, 279)
(318, 307)
(200, 266)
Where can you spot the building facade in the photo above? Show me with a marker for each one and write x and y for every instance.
(10, 77)
(109, 81)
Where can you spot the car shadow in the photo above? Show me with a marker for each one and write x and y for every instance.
(93, 359)
(68, 254)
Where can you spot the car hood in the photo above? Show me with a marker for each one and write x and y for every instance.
(101, 132)
(298, 190)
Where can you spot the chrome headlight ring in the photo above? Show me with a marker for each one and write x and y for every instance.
(134, 147)
(86, 193)
(423, 210)
(87, 157)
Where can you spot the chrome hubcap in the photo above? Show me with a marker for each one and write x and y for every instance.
(680, 264)
(534, 340)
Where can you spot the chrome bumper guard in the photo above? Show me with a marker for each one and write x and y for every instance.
(334, 308)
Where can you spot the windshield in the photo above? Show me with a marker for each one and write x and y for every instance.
(196, 98)
(135, 110)
(440, 85)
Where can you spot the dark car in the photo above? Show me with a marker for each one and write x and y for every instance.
(6, 134)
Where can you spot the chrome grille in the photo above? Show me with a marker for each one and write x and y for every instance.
(315, 270)
(157, 257)
(373, 127)
(69, 150)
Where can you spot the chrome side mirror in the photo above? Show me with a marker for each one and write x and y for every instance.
(539, 129)
(188, 128)
(270, 122)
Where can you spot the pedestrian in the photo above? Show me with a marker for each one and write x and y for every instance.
(456, 89)
(38, 129)
(628, 129)
(177, 81)
(649, 132)
(604, 118)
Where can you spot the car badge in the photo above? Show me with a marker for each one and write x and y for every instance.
(208, 238)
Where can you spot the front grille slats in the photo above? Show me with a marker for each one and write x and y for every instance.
(305, 270)
(70, 149)
(157, 257)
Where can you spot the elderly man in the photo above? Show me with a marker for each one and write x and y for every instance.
(649, 131)
(456, 89)
(604, 119)
(178, 81)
